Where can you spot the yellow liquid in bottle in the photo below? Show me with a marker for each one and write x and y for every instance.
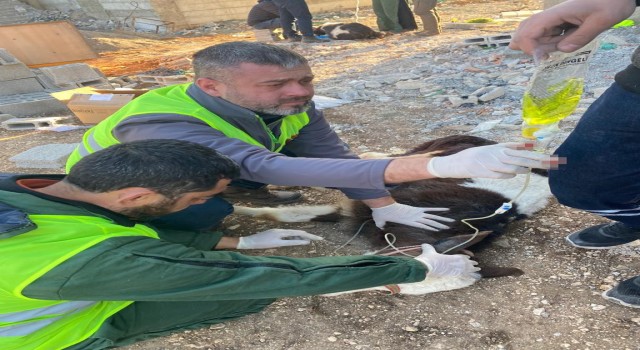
(562, 99)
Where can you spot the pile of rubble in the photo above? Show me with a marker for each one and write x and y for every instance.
(478, 83)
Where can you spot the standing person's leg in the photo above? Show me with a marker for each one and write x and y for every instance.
(602, 174)
(438, 20)
(145, 320)
(390, 9)
(270, 24)
(426, 9)
(384, 24)
(405, 17)
(286, 20)
(300, 10)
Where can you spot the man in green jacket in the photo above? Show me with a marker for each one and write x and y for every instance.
(81, 271)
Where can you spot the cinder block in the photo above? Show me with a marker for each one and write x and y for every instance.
(34, 123)
(32, 104)
(46, 81)
(51, 156)
(497, 43)
(475, 41)
(13, 71)
(499, 38)
(70, 73)
(103, 83)
(20, 86)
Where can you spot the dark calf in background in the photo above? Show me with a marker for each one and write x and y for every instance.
(347, 31)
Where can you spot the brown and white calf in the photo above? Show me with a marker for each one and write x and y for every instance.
(465, 198)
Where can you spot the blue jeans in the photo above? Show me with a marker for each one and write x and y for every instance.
(298, 11)
(270, 24)
(602, 174)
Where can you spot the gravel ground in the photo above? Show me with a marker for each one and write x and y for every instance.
(401, 89)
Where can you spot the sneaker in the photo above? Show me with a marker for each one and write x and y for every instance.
(260, 196)
(626, 293)
(313, 40)
(604, 236)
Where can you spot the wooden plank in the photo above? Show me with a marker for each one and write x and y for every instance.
(45, 43)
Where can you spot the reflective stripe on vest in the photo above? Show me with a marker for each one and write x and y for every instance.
(23, 322)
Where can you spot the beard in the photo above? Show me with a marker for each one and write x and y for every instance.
(278, 110)
(148, 212)
(269, 108)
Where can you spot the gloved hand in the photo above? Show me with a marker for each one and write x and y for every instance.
(441, 265)
(501, 161)
(410, 216)
(276, 238)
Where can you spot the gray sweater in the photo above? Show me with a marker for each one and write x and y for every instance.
(319, 156)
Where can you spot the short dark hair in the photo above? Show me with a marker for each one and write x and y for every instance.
(169, 167)
(214, 61)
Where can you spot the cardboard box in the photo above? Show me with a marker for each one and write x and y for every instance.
(65, 96)
(93, 108)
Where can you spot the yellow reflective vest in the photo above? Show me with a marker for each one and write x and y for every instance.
(30, 324)
(174, 100)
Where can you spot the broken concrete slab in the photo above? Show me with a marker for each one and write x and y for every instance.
(71, 73)
(457, 101)
(492, 94)
(51, 156)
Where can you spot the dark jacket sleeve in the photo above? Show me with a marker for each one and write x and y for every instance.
(146, 269)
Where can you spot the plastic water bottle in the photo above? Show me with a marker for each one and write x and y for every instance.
(554, 92)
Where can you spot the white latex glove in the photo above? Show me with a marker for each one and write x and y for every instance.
(410, 216)
(442, 265)
(276, 238)
(501, 161)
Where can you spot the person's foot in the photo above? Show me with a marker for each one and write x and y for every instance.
(626, 293)
(313, 40)
(604, 236)
(260, 196)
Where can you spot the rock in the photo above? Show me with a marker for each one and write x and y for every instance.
(492, 95)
